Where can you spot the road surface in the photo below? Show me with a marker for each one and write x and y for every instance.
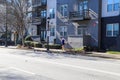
(29, 65)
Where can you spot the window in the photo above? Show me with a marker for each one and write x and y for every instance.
(52, 31)
(80, 6)
(112, 30)
(43, 14)
(81, 31)
(64, 10)
(52, 13)
(29, 14)
(36, 2)
(44, 2)
(116, 5)
(83, 5)
(113, 5)
(63, 31)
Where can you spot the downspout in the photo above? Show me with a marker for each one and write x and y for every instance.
(99, 24)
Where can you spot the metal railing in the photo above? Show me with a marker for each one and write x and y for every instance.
(38, 20)
(37, 3)
(83, 14)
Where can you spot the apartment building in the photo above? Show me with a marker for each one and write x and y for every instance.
(39, 15)
(110, 24)
(75, 20)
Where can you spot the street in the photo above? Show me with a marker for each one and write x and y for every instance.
(29, 65)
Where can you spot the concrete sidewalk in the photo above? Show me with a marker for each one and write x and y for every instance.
(90, 54)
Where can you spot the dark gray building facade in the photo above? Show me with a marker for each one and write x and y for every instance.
(110, 27)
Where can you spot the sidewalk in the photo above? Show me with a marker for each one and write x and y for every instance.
(90, 54)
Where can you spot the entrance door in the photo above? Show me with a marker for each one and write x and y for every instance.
(41, 32)
(43, 35)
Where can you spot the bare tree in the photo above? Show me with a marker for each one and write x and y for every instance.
(17, 17)
(19, 9)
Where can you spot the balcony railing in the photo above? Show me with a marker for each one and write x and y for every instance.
(80, 15)
(39, 3)
(38, 20)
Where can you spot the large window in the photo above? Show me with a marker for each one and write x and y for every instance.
(64, 10)
(63, 31)
(52, 13)
(112, 30)
(113, 5)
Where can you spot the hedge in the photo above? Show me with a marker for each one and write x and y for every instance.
(53, 46)
(33, 44)
(36, 44)
(27, 43)
(28, 38)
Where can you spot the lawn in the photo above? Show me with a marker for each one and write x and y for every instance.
(113, 52)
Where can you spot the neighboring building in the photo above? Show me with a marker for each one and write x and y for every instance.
(75, 20)
(39, 15)
(110, 24)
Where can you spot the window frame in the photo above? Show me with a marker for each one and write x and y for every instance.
(43, 13)
(113, 5)
(63, 30)
(112, 30)
(52, 13)
(52, 31)
(84, 31)
(62, 10)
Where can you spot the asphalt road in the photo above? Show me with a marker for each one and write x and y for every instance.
(29, 65)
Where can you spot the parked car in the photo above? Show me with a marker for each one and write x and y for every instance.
(9, 42)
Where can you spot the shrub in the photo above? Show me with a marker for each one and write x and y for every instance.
(28, 38)
(90, 48)
(36, 44)
(27, 43)
(53, 46)
(78, 49)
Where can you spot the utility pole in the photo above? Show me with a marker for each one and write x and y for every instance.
(99, 24)
(48, 33)
(6, 28)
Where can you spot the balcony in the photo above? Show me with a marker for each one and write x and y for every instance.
(38, 20)
(80, 15)
(40, 3)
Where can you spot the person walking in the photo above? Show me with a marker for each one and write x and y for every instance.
(63, 43)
